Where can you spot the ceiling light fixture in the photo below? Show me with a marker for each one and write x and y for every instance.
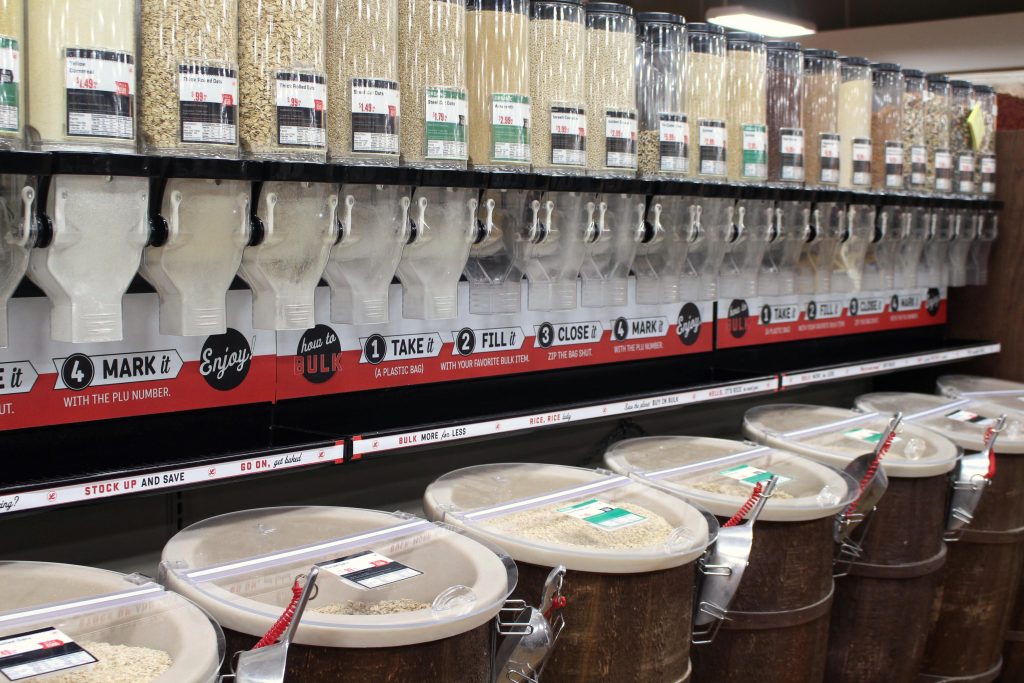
(742, 18)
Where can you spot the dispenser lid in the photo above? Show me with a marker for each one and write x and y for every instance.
(720, 475)
(1009, 395)
(963, 421)
(836, 436)
(587, 520)
(407, 580)
(114, 626)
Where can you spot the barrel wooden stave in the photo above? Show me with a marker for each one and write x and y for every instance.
(626, 628)
(465, 658)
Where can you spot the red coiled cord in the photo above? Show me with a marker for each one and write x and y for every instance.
(279, 627)
(558, 602)
(870, 474)
(747, 507)
(991, 453)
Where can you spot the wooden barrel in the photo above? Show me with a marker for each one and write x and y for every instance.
(883, 606)
(1013, 650)
(621, 628)
(462, 658)
(778, 622)
(980, 584)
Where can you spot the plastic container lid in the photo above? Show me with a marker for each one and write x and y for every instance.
(913, 73)
(836, 436)
(855, 61)
(719, 475)
(987, 89)
(938, 78)
(698, 27)
(960, 84)
(963, 421)
(886, 66)
(122, 610)
(821, 54)
(608, 8)
(241, 568)
(1007, 394)
(744, 37)
(659, 18)
(782, 45)
(503, 502)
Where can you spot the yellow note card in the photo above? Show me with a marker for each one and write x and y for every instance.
(976, 124)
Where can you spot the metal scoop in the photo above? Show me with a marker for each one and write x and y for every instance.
(268, 664)
(969, 483)
(530, 636)
(723, 566)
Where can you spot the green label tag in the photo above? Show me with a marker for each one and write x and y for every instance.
(10, 76)
(510, 127)
(752, 475)
(446, 114)
(755, 151)
(863, 435)
(603, 515)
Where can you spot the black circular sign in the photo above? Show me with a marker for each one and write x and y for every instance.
(77, 372)
(320, 351)
(546, 335)
(739, 311)
(688, 324)
(620, 330)
(854, 307)
(225, 359)
(933, 301)
(465, 341)
(812, 310)
(375, 348)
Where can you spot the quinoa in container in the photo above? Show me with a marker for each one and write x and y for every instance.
(707, 99)
(664, 138)
(747, 115)
(936, 133)
(961, 100)
(787, 147)
(12, 50)
(915, 149)
(611, 90)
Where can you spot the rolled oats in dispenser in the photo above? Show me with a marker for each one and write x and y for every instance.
(936, 133)
(282, 84)
(189, 87)
(557, 94)
(432, 73)
(611, 90)
(985, 110)
(787, 147)
(855, 124)
(961, 101)
(887, 127)
(12, 50)
(706, 99)
(747, 116)
(82, 67)
(497, 64)
(664, 147)
(915, 151)
(821, 117)
(362, 82)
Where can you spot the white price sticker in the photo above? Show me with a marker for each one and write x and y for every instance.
(100, 88)
(603, 515)
(369, 569)
(568, 135)
(40, 652)
(301, 106)
(10, 78)
(375, 112)
(861, 155)
(620, 139)
(208, 104)
(712, 146)
(749, 474)
(447, 115)
(673, 142)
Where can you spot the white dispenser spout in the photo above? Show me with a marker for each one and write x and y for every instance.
(661, 257)
(373, 229)
(913, 229)
(100, 227)
(300, 227)
(883, 251)
(207, 229)
(17, 234)
(753, 222)
(619, 221)
(494, 279)
(965, 230)
(848, 270)
(827, 227)
(551, 251)
(785, 241)
(710, 229)
(443, 226)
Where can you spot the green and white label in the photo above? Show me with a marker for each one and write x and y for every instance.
(973, 418)
(749, 474)
(603, 515)
(510, 127)
(10, 78)
(861, 434)
(755, 151)
(447, 111)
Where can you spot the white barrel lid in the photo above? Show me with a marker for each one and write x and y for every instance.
(720, 475)
(1003, 392)
(492, 500)
(241, 568)
(836, 436)
(964, 421)
(98, 606)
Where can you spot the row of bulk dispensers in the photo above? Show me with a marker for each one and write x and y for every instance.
(82, 239)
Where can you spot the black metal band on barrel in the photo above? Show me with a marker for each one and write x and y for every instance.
(1015, 636)
(759, 621)
(984, 677)
(985, 537)
(905, 570)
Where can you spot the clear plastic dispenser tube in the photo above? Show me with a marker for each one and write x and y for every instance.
(883, 251)
(611, 90)
(821, 117)
(786, 239)
(787, 142)
(753, 222)
(888, 162)
(664, 137)
(609, 257)
(913, 232)
(961, 144)
(965, 230)
(16, 239)
(661, 256)
(495, 281)
(12, 90)
(983, 137)
(827, 228)
(555, 244)
(915, 148)
(207, 230)
(707, 100)
(443, 226)
(373, 230)
(747, 116)
(855, 156)
(936, 127)
(100, 227)
(848, 269)
(712, 229)
(300, 227)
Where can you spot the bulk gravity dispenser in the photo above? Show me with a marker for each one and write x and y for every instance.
(619, 229)
(753, 222)
(494, 277)
(787, 235)
(661, 260)
(16, 238)
(553, 247)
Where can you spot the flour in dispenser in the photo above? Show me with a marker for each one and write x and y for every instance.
(786, 237)
(207, 227)
(90, 220)
(753, 222)
(442, 225)
(17, 236)
(495, 282)
(913, 225)
(552, 250)
(620, 228)
(373, 230)
(883, 251)
(661, 256)
(814, 270)
(711, 225)
(299, 224)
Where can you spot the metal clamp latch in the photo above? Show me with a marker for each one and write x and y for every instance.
(970, 479)
(723, 566)
(531, 633)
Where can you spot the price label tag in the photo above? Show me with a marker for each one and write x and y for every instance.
(301, 106)
(603, 515)
(674, 142)
(620, 138)
(375, 112)
(988, 174)
(510, 127)
(748, 474)
(208, 104)
(36, 653)
(447, 112)
(755, 151)
(100, 93)
(712, 147)
(10, 78)
(893, 164)
(972, 418)
(861, 155)
(369, 569)
(568, 135)
(918, 165)
(829, 152)
(861, 434)
(791, 149)
(943, 170)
